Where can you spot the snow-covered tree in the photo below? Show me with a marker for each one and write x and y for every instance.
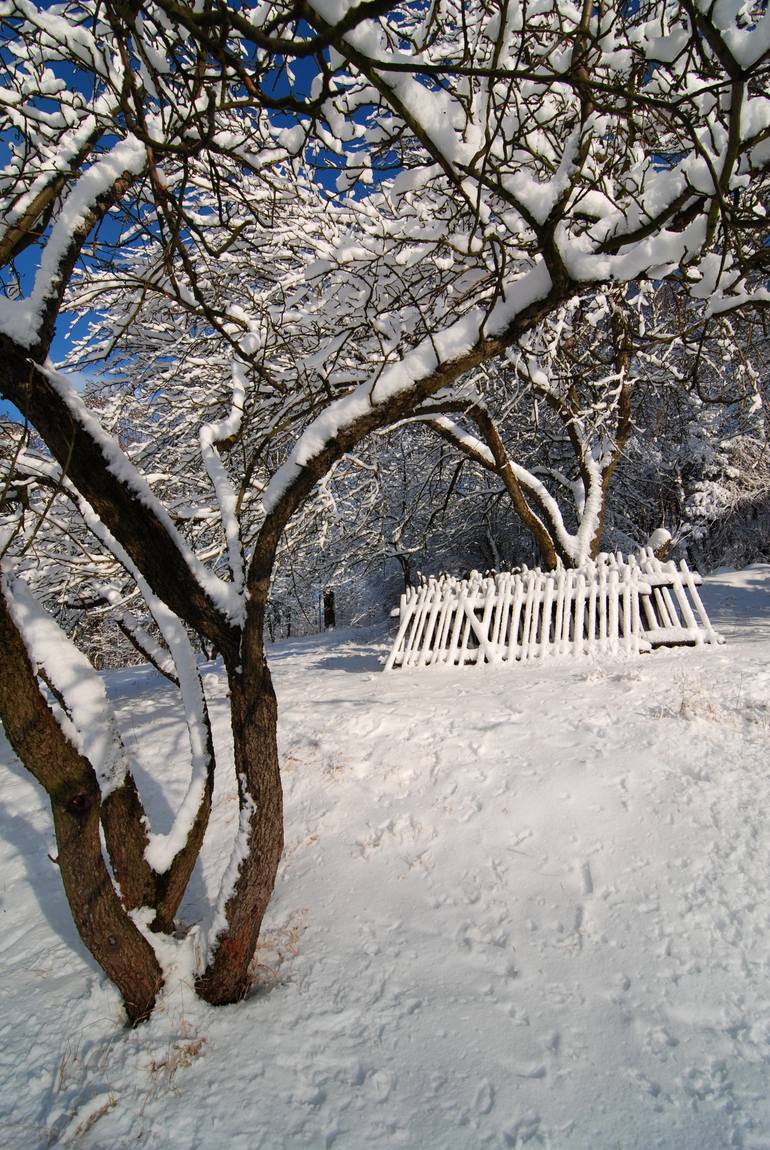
(700, 397)
(497, 161)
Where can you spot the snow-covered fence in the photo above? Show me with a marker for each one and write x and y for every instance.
(615, 605)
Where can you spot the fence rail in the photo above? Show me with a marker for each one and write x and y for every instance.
(613, 605)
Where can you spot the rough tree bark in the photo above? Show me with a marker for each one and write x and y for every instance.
(260, 794)
(73, 790)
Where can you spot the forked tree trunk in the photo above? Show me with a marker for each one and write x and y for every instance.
(69, 780)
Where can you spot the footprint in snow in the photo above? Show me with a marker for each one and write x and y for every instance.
(524, 1132)
(379, 1085)
(586, 878)
(485, 1097)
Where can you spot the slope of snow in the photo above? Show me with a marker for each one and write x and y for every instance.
(518, 907)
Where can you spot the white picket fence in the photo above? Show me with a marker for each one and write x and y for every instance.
(613, 605)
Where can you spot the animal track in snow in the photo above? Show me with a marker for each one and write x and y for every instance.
(404, 829)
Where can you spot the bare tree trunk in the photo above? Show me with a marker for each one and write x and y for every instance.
(406, 571)
(543, 536)
(125, 833)
(254, 724)
(330, 615)
(102, 922)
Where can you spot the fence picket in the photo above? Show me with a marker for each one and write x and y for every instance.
(687, 612)
(602, 604)
(534, 623)
(626, 590)
(466, 604)
(580, 606)
(613, 623)
(454, 642)
(442, 629)
(396, 654)
(563, 638)
(514, 648)
(692, 582)
(490, 653)
(670, 570)
(430, 628)
(592, 597)
(501, 618)
(526, 629)
(546, 620)
(559, 611)
(417, 626)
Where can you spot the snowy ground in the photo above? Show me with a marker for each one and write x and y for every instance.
(518, 907)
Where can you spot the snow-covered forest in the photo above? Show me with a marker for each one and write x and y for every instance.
(300, 301)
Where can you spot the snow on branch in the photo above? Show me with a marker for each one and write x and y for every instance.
(85, 715)
(226, 597)
(210, 436)
(470, 444)
(21, 319)
(162, 849)
(156, 653)
(421, 365)
(575, 546)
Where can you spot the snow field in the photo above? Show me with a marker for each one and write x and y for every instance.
(518, 907)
